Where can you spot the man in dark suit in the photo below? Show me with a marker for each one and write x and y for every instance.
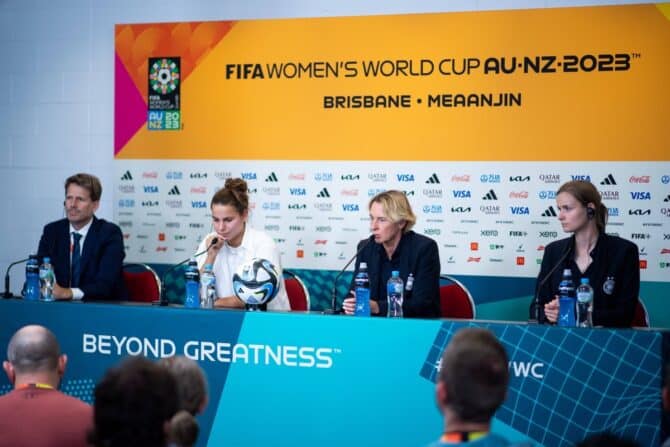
(86, 252)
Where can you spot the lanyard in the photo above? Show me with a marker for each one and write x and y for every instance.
(462, 436)
(41, 386)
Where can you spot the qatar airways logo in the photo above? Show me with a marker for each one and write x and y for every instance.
(550, 178)
(292, 356)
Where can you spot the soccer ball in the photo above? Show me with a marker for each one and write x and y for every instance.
(256, 282)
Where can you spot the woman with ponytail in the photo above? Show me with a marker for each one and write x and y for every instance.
(237, 243)
(611, 264)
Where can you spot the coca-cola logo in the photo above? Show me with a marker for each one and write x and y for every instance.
(640, 179)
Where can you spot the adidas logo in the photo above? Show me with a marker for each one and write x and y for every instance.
(609, 180)
(667, 199)
(491, 195)
(549, 212)
(272, 177)
(323, 193)
(433, 179)
(174, 191)
(127, 176)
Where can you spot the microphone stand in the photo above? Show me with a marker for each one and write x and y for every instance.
(7, 293)
(163, 301)
(333, 309)
(536, 300)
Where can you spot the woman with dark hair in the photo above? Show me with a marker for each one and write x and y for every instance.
(237, 243)
(610, 263)
(134, 405)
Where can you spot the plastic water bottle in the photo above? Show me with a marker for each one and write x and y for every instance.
(566, 300)
(47, 280)
(192, 285)
(585, 304)
(362, 282)
(31, 292)
(394, 295)
(207, 287)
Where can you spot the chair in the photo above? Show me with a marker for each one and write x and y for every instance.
(455, 299)
(641, 317)
(298, 294)
(142, 282)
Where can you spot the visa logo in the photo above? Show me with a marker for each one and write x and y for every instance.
(350, 207)
(198, 204)
(298, 191)
(151, 189)
(405, 177)
(461, 194)
(249, 175)
(586, 178)
(643, 195)
(520, 210)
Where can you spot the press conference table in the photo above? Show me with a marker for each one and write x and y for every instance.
(306, 379)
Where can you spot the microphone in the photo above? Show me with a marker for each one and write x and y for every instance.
(536, 299)
(333, 310)
(7, 293)
(163, 296)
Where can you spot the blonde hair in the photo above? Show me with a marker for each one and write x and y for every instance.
(396, 207)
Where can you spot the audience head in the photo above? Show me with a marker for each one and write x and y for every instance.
(474, 376)
(191, 382)
(33, 355)
(395, 207)
(134, 403)
(192, 392)
(588, 199)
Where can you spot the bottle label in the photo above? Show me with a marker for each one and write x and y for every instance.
(584, 297)
(566, 312)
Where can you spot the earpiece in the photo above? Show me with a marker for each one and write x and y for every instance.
(590, 212)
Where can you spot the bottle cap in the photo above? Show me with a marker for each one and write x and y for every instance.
(47, 260)
(584, 280)
(209, 267)
(364, 265)
(395, 273)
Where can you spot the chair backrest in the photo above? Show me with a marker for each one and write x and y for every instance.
(456, 300)
(641, 317)
(298, 295)
(142, 282)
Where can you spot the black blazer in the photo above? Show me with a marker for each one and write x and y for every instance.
(101, 258)
(418, 255)
(614, 275)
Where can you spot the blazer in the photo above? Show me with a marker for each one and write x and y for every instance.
(416, 254)
(102, 256)
(614, 275)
